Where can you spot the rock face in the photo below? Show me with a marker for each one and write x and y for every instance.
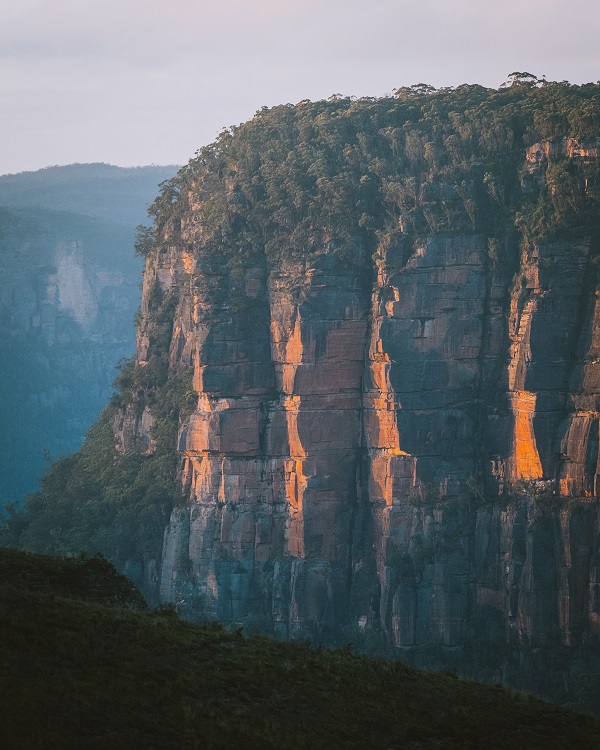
(69, 288)
(396, 434)
(65, 321)
(338, 435)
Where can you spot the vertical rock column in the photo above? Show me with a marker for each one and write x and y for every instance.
(391, 471)
(579, 468)
(218, 544)
(421, 412)
(524, 462)
(318, 332)
(552, 447)
(287, 351)
(269, 458)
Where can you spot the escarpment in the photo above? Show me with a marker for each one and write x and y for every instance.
(373, 325)
(396, 431)
(67, 284)
(68, 293)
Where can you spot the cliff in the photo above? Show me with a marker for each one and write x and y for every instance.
(388, 310)
(69, 288)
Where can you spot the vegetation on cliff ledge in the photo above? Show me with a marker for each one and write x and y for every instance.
(75, 672)
(348, 172)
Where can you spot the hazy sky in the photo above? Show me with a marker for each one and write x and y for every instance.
(146, 81)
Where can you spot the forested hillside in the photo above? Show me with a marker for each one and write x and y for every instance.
(103, 191)
(83, 665)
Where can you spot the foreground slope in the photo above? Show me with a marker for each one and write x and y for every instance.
(77, 674)
(365, 403)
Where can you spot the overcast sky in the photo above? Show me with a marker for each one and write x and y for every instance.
(134, 82)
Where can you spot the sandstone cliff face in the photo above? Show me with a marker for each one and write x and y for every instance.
(400, 441)
(338, 435)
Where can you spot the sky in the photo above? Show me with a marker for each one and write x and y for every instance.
(134, 82)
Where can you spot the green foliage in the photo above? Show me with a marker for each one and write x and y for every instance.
(81, 578)
(104, 501)
(144, 240)
(79, 674)
(340, 173)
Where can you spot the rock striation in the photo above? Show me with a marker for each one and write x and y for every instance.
(330, 465)
(398, 441)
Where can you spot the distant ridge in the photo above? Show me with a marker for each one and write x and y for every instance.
(104, 191)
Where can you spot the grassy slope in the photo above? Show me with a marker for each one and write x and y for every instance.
(75, 674)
